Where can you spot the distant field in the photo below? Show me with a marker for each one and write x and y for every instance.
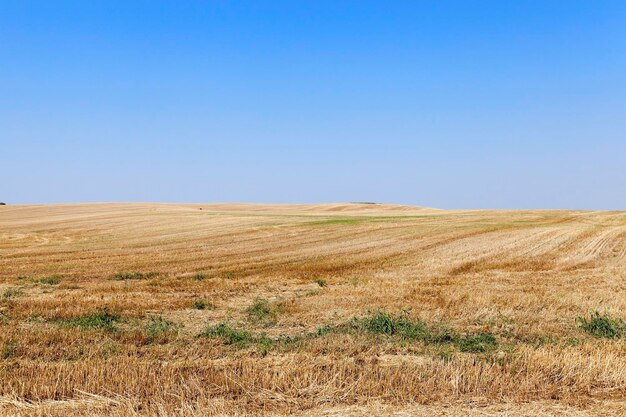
(311, 310)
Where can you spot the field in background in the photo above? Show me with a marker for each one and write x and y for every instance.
(333, 309)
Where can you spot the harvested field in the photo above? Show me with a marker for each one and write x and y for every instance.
(320, 310)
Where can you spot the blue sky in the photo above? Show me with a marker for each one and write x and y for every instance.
(451, 104)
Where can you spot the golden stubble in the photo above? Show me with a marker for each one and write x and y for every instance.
(523, 276)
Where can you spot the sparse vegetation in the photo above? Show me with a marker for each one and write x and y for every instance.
(412, 330)
(379, 323)
(240, 338)
(482, 342)
(8, 350)
(602, 325)
(12, 293)
(103, 319)
(384, 323)
(230, 335)
(321, 282)
(263, 311)
(159, 329)
(201, 305)
(123, 276)
(51, 280)
(393, 307)
(338, 221)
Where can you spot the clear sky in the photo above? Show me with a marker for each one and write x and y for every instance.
(451, 104)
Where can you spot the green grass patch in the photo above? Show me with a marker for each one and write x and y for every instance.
(230, 335)
(263, 311)
(477, 343)
(123, 276)
(11, 293)
(396, 328)
(386, 324)
(324, 330)
(8, 350)
(201, 305)
(346, 221)
(241, 338)
(602, 325)
(51, 280)
(103, 319)
(321, 282)
(406, 329)
(159, 329)
(354, 220)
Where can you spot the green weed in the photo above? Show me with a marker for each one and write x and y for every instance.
(123, 276)
(241, 338)
(103, 319)
(201, 305)
(8, 350)
(321, 282)
(384, 323)
(12, 293)
(264, 311)
(416, 330)
(602, 325)
(230, 335)
(482, 342)
(337, 221)
(160, 329)
(51, 280)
